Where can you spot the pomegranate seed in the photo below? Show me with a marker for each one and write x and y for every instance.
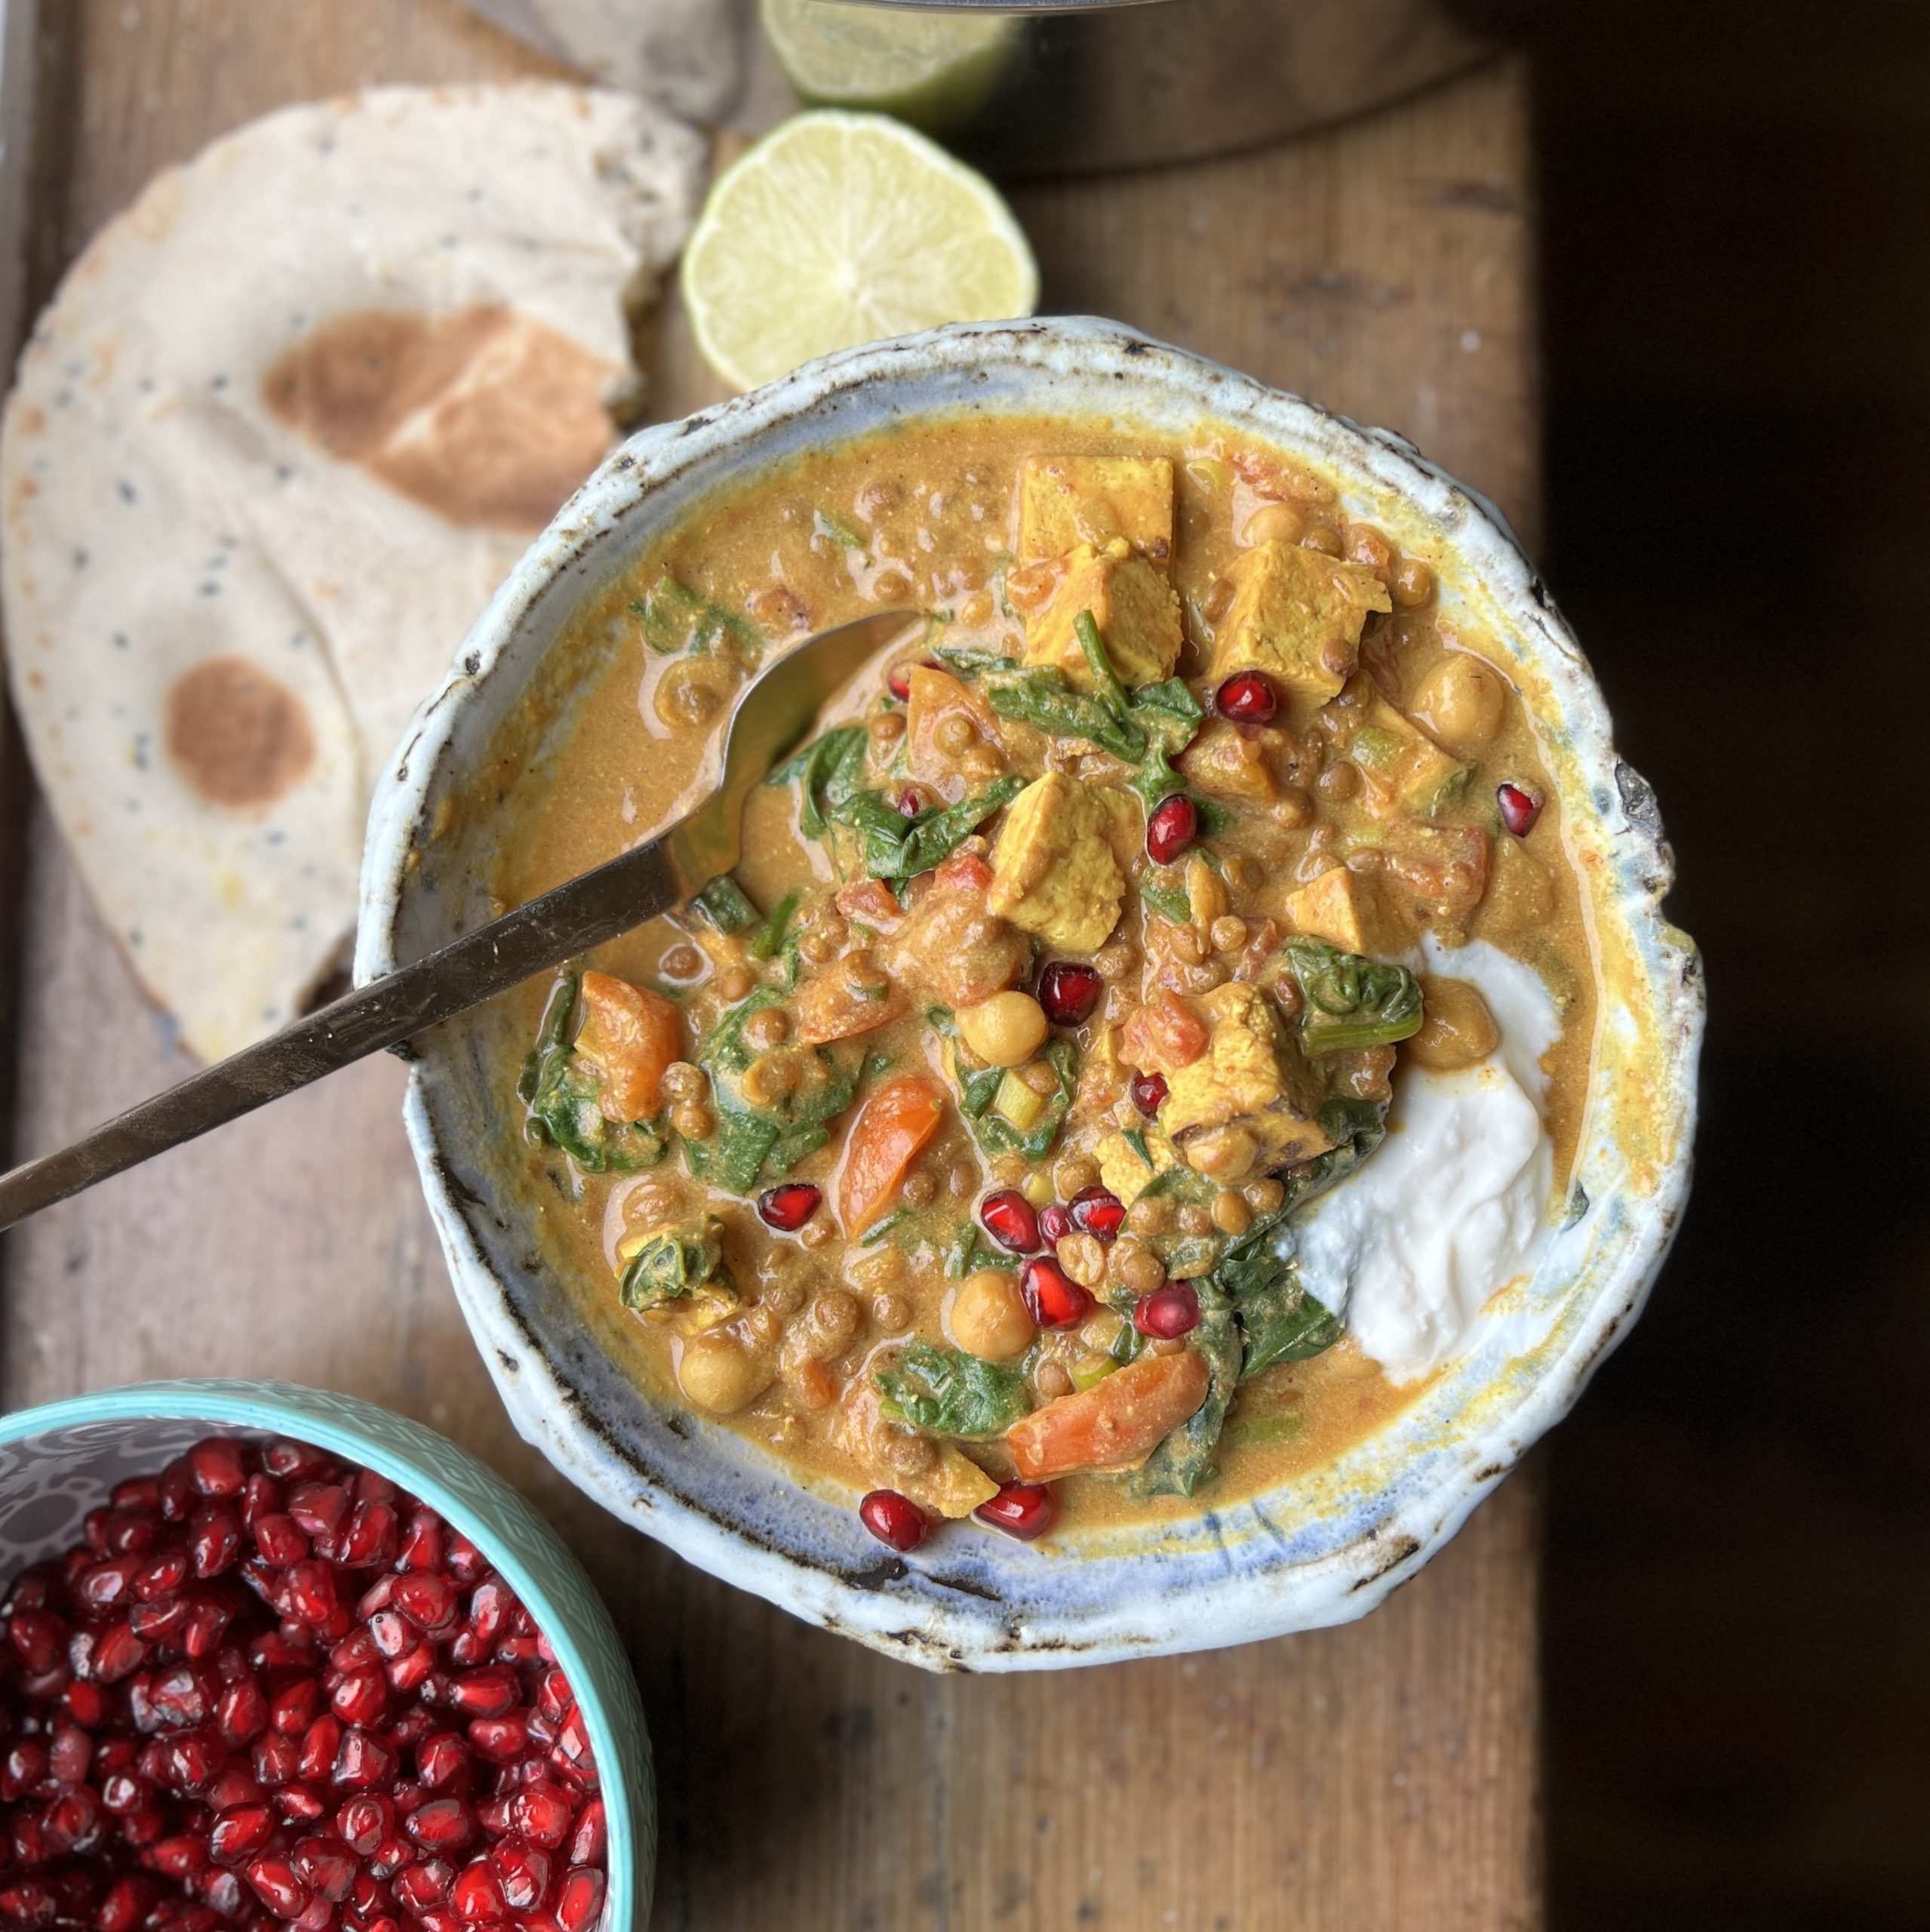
(502, 1740)
(477, 1894)
(278, 1539)
(1055, 1224)
(111, 1583)
(1098, 1211)
(121, 1793)
(573, 1747)
(274, 1758)
(443, 1824)
(1009, 1220)
(1148, 1091)
(788, 1207)
(143, 1827)
(1052, 1298)
(364, 1822)
(297, 1707)
(163, 1574)
(421, 1888)
(1171, 827)
(588, 1844)
(523, 1871)
(86, 1703)
(1068, 992)
(73, 1820)
(309, 1588)
(1248, 698)
(177, 1857)
(579, 1904)
(239, 1832)
(179, 1696)
(125, 1906)
(300, 1802)
(69, 1752)
(320, 1742)
(488, 1693)
(1021, 1509)
(206, 1624)
(260, 1495)
(391, 1633)
(318, 1509)
(116, 1653)
(288, 1459)
(421, 1541)
(412, 1668)
(1167, 1313)
(543, 1814)
(553, 1695)
(893, 1519)
(393, 1855)
(489, 1606)
(372, 1537)
(29, 1902)
(1519, 809)
(363, 1761)
(464, 1562)
(24, 1766)
(325, 1869)
(276, 1885)
(427, 1601)
(214, 1538)
(440, 1919)
(216, 1467)
(236, 1786)
(909, 802)
(361, 1697)
(38, 1637)
(443, 1762)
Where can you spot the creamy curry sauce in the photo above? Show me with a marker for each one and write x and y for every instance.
(865, 1071)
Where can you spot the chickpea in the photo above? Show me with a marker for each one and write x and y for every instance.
(1457, 1030)
(954, 734)
(1005, 1030)
(1231, 1215)
(834, 1318)
(735, 983)
(892, 1313)
(682, 1081)
(1264, 1196)
(1073, 1172)
(1228, 933)
(1323, 537)
(988, 1318)
(1150, 1215)
(887, 727)
(693, 1121)
(1413, 584)
(1460, 701)
(717, 1372)
(1274, 523)
(920, 1189)
(766, 1029)
(1083, 1257)
(1051, 1380)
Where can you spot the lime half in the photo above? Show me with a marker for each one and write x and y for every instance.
(841, 228)
(931, 69)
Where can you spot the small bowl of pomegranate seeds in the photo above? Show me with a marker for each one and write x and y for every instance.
(271, 1658)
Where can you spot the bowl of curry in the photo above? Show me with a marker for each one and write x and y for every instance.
(1191, 1071)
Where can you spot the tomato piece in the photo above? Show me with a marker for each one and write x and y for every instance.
(954, 943)
(936, 696)
(632, 1033)
(830, 1007)
(1442, 868)
(894, 1128)
(872, 903)
(1164, 1035)
(1113, 1425)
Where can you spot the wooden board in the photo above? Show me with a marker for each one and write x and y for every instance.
(1381, 1776)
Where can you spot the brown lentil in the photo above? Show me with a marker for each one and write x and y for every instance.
(692, 1121)
(1231, 1215)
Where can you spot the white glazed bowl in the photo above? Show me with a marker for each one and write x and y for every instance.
(1320, 1550)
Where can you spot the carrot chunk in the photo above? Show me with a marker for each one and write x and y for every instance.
(1113, 1425)
(633, 1033)
(893, 1128)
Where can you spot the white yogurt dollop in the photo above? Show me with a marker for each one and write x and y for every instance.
(1454, 1204)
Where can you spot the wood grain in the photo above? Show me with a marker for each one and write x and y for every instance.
(1381, 1776)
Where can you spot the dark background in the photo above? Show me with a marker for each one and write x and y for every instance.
(1737, 275)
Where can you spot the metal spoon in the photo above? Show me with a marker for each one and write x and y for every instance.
(772, 714)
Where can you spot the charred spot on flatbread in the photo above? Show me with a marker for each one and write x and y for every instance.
(485, 415)
(239, 737)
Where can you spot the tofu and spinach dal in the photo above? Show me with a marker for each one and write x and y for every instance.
(1002, 1139)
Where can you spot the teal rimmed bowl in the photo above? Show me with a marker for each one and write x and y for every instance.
(59, 1461)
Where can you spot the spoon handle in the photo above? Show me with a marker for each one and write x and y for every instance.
(636, 886)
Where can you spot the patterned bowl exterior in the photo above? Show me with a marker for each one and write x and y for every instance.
(58, 1462)
(1322, 1549)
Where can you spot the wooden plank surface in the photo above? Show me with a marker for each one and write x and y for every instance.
(1385, 1775)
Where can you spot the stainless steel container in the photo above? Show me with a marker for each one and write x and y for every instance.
(1094, 85)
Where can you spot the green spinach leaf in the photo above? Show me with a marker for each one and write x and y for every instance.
(997, 1135)
(1185, 1459)
(723, 903)
(677, 1263)
(1351, 1001)
(896, 847)
(675, 619)
(560, 1089)
(945, 1391)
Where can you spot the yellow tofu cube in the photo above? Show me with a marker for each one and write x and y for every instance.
(1136, 610)
(1251, 1099)
(1127, 1172)
(1064, 501)
(1054, 873)
(1349, 910)
(1297, 614)
(1402, 769)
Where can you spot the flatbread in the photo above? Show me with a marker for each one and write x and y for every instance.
(286, 424)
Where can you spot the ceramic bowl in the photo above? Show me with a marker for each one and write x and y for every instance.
(59, 1462)
(1319, 1551)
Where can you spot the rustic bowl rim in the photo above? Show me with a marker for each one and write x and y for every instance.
(1085, 367)
(493, 1514)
